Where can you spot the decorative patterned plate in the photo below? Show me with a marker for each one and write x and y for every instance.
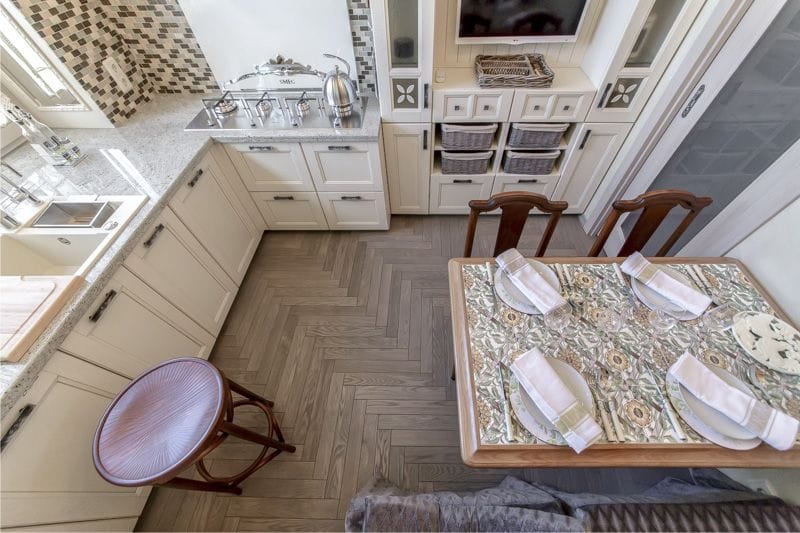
(512, 295)
(707, 421)
(769, 340)
(532, 418)
(655, 300)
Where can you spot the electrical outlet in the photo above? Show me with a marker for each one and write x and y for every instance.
(761, 485)
(117, 74)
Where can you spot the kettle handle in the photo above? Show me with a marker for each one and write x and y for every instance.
(331, 56)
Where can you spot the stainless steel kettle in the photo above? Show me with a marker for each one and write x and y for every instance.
(339, 90)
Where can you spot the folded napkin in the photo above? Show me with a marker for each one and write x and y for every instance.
(555, 400)
(773, 427)
(529, 282)
(677, 292)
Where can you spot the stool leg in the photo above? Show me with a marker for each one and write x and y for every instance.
(194, 484)
(247, 393)
(252, 436)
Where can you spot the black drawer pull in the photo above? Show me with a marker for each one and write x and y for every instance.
(195, 178)
(486, 107)
(151, 239)
(536, 107)
(22, 416)
(424, 139)
(527, 181)
(261, 148)
(425, 90)
(566, 108)
(283, 197)
(101, 309)
(462, 181)
(602, 103)
(351, 198)
(585, 138)
(457, 107)
(335, 148)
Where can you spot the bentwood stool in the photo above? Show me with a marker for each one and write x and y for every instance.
(170, 418)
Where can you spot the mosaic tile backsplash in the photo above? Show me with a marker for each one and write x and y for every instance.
(153, 43)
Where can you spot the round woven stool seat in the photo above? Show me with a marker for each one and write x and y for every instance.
(159, 424)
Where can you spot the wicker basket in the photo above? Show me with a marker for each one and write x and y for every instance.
(520, 70)
(465, 162)
(533, 136)
(468, 136)
(530, 162)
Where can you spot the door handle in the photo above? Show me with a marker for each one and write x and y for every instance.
(425, 89)
(334, 148)
(351, 198)
(602, 103)
(283, 197)
(462, 181)
(192, 182)
(424, 139)
(527, 181)
(22, 416)
(693, 100)
(261, 148)
(151, 239)
(103, 306)
(585, 138)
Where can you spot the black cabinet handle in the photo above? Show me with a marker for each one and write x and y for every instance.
(602, 103)
(424, 139)
(566, 108)
(22, 416)
(585, 138)
(335, 148)
(261, 148)
(102, 308)
(351, 198)
(486, 107)
(425, 89)
(462, 181)
(457, 107)
(283, 197)
(195, 178)
(536, 107)
(527, 181)
(151, 239)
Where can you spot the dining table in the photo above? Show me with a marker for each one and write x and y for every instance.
(642, 423)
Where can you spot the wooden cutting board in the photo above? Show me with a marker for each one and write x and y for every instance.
(27, 305)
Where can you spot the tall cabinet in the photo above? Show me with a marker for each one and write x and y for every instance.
(403, 33)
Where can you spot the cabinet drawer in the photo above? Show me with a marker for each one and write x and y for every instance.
(456, 106)
(344, 166)
(492, 107)
(450, 195)
(271, 166)
(291, 210)
(529, 106)
(364, 210)
(541, 184)
(569, 107)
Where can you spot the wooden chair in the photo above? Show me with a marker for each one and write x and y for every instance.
(656, 206)
(515, 207)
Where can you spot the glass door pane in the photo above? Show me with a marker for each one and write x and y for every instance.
(655, 30)
(403, 33)
(753, 120)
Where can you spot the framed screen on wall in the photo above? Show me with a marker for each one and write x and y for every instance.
(519, 21)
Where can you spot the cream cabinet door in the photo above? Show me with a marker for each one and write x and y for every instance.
(588, 161)
(130, 327)
(271, 166)
(209, 207)
(291, 210)
(344, 166)
(450, 195)
(173, 262)
(540, 184)
(407, 148)
(48, 473)
(350, 211)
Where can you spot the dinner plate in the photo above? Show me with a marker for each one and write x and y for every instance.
(532, 418)
(769, 340)
(654, 300)
(513, 297)
(707, 421)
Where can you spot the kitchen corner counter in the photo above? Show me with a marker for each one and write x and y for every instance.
(150, 155)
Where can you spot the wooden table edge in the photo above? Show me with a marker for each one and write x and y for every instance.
(475, 454)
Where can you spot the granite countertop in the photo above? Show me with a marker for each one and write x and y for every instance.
(150, 155)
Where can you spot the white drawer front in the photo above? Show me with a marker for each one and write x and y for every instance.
(456, 106)
(530, 106)
(363, 210)
(569, 107)
(344, 166)
(291, 210)
(492, 107)
(271, 166)
(450, 195)
(540, 185)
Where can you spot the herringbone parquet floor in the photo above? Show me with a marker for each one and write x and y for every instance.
(349, 333)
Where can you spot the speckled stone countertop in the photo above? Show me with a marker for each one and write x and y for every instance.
(150, 155)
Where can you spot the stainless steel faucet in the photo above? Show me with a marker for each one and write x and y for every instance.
(22, 192)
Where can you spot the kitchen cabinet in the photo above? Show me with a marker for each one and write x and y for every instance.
(271, 166)
(351, 211)
(469, 105)
(587, 162)
(208, 205)
(48, 473)
(407, 150)
(450, 195)
(130, 327)
(173, 262)
(536, 184)
(291, 210)
(344, 167)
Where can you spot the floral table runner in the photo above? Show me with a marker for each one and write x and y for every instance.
(633, 383)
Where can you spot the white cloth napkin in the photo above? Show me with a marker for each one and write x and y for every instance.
(773, 427)
(679, 293)
(555, 400)
(529, 282)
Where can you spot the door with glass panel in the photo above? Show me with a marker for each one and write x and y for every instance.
(403, 31)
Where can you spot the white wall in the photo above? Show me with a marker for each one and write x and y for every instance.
(772, 254)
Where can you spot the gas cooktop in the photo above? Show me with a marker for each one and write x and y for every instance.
(280, 109)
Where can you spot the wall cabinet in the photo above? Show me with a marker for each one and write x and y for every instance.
(208, 205)
(344, 167)
(130, 327)
(271, 166)
(48, 474)
(407, 149)
(173, 262)
(364, 210)
(291, 210)
(450, 195)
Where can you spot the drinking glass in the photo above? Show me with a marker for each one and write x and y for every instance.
(558, 319)
(719, 319)
(661, 321)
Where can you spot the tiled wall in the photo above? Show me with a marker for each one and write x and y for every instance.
(361, 30)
